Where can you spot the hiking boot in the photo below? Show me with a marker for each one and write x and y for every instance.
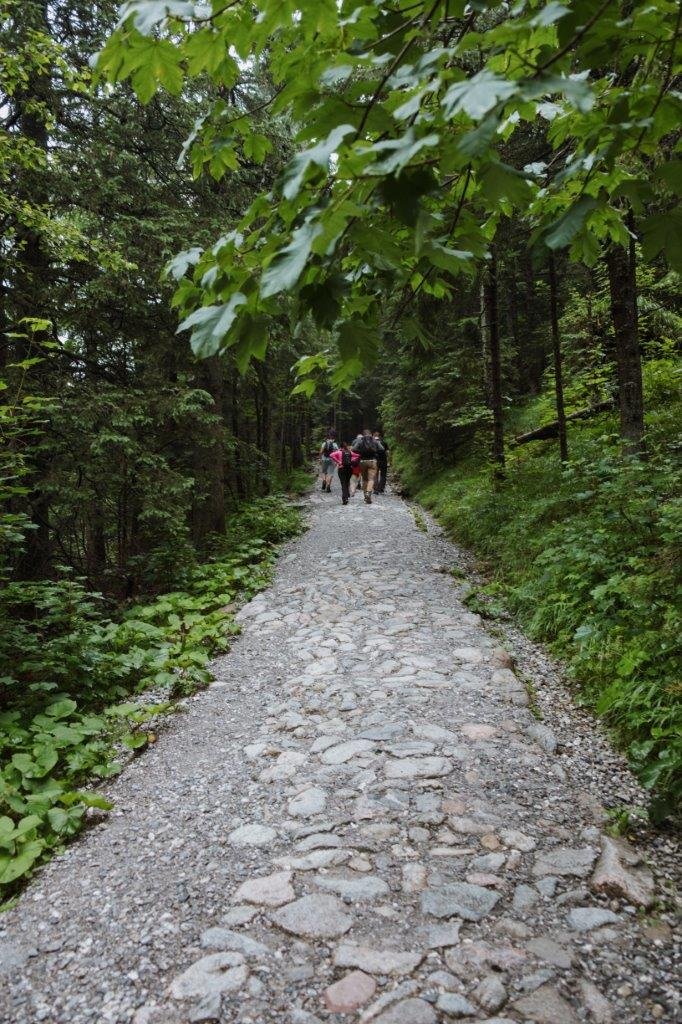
(368, 499)
(329, 488)
(345, 501)
(324, 487)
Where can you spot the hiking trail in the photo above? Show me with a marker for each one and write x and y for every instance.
(361, 820)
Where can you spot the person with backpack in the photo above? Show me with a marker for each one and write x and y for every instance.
(346, 460)
(326, 460)
(382, 463)
(368, 449)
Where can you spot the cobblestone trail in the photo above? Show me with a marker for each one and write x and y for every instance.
(361, 820)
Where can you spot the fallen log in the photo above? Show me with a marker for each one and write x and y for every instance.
(552, 429)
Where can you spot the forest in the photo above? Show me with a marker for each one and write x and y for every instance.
(221, 234)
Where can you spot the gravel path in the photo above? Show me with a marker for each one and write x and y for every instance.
(361, 820)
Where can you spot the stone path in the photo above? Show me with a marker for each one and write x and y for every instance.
(360, 821)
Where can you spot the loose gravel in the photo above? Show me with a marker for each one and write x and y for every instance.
(362, 819)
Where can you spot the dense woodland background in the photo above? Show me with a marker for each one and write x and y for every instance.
(130, 466)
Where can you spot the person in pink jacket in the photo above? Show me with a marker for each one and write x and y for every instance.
(346, 460)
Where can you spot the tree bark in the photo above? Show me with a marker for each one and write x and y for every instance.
(623, 290)
(209, 516)
(556, 352)
(492, 362)
(548, 430)
(32, 266)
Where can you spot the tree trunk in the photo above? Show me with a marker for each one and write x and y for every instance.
(493, 369)
(209, 515)
(32, 265)
(621, 267)
(556, 351)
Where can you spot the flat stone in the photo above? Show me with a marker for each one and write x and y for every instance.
(617, 873)
(207, 1011)
(565, 860)
(252, 835)
(444, 935)
(490, 994)
(213, 974)
(313, 917)
(343, 752)
(543, 736)
(471, 902)
(546, 1006)
(239, 915)
(518, 840)
(309, 802)
(408, 1011)
(596, 1003)
(473, 655)
(454, 1005)
(367, 887)
(584, 919)
(319, 841)
(376, 961)
(269, 891)
(224, 938)
(479, 731)
(414, 877)
(468, 826)
(351, 991)
(546, 949)
(417, 768)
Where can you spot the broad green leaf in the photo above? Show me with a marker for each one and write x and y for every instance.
(287, 265)
(478, 95)
(316, 156)
(569, 224)
(13, 867)
(211, 324)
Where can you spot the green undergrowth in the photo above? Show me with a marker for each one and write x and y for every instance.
(70, 672)
(588, 559)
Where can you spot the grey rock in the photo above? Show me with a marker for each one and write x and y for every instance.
(585, 919)
(358, 887)
(547, 949)
(309, 802)
(208, 1010)
(546, 1006)
(490, 994)
(543, 736)
(376, 961)
(565, 860)
(252, 835)
(618, 873)
(454, 1005)
(408, 1011)
(211, 976)
(471, 902)
(314, 917)
(224, 938)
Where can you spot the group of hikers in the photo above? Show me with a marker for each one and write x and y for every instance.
(363, 461)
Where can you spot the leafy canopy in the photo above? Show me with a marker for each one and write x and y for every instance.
(406, 114)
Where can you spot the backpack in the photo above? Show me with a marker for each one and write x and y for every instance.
(366, 448)
(329, 447)
(346, 460)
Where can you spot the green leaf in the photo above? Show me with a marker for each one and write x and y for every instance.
(568, 225)
(287, 265)
(211, 324)
(13, 867)
(316, 156)
(663, 232)
(477, 95)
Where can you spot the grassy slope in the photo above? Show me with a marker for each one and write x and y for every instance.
(587, 559)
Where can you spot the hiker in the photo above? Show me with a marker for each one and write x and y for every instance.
(326, 460)
(346, 461)
(382, 463)
(368, 449)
